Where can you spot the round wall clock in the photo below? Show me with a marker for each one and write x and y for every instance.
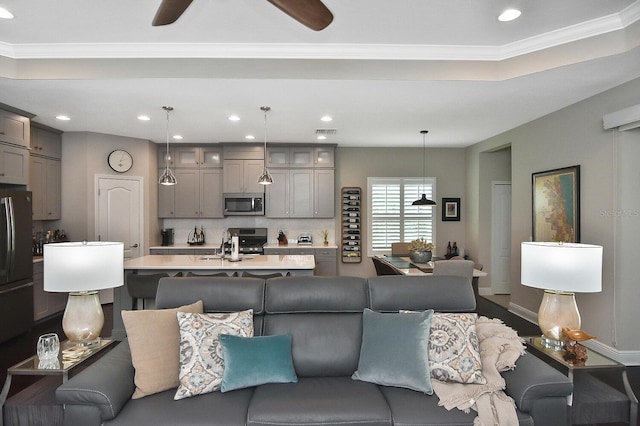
(120, 160)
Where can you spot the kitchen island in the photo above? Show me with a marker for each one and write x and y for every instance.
(202, 265)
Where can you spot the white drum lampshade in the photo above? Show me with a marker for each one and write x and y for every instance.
(561, 269)
(81, 269)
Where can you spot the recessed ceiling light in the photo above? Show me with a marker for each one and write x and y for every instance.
(63, 117)
(144, 118)
(321, 137)
(234, 118)
(250, 137)
(326, 118)
(5, 14)
(509, 15)
(177, 137)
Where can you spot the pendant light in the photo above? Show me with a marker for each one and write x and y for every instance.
(424, 201)
(167, 178)
(265, 178)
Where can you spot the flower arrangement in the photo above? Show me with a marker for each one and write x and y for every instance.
(421, 245)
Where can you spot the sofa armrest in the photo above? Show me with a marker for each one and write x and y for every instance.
(100, 391)
(538, 389)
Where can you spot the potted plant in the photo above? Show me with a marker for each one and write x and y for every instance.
(420, 251)
(325, 236)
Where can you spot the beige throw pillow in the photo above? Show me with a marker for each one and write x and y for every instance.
(154, 340)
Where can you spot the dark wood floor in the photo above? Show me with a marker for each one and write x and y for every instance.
(21, 347)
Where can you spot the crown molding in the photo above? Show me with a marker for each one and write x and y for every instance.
(581, 31)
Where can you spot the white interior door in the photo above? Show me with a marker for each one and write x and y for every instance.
(501, 238)
(119, 213)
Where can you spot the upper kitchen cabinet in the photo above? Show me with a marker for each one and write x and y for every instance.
(198, 194)
(242, 166)
(14, 129)
(46, 142)
(14, 165)
(45, 172)
(44, 184)
(300, 193)
(284, 156)
(197, 157)
(323, 156)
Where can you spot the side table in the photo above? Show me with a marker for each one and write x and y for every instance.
(60, 367)
(595, 361)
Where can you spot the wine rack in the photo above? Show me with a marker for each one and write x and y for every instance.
(351, 199)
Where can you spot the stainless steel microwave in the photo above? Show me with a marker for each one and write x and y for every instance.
(244, 204)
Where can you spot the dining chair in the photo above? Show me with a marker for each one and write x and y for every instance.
(399, 249)
(462, 268)
(143, 288)
(383, 268)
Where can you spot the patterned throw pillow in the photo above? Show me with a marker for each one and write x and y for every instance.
(201, 361)
(454, 351)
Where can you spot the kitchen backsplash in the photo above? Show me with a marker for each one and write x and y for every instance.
(213, 228)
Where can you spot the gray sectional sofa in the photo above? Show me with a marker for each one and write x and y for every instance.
(324, 317)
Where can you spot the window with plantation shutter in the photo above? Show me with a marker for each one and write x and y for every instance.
(393, 218)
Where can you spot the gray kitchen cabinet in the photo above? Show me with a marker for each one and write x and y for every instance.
(45, 180)
(290, 194)
(323, 190)
(323, 156)
(289, 156)
(301, 193)
(198, 194)
(45, 185)
(326, 261)
(241, 176)
(197, 157)
(158, 251)
(166, 199)
(15, 129)
(45, 303)
(46, 142)
(276, 251)
(14, 164)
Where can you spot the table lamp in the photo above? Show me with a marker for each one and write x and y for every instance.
(561, 269)
(81, 269)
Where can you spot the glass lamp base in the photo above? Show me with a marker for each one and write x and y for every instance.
(558, 310)
(83, 319)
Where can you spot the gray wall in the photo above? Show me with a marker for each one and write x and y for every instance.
(609, 183)
(354, 165)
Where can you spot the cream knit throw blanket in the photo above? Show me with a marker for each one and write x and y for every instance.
(500, 347)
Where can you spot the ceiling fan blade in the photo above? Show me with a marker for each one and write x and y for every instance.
(169, 11)
(311, 13)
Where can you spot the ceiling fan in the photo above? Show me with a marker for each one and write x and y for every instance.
(311, 13)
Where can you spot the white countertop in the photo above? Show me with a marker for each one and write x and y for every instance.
(299, 246)
(203, 262)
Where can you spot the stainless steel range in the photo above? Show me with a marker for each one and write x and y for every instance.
(250, 240)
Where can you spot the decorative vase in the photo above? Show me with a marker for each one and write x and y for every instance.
(420, 256)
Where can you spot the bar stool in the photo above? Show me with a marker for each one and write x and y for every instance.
(265, 276)
(141, 287)
(215, 274)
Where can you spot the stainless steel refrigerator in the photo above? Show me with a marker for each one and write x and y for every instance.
(16, 263)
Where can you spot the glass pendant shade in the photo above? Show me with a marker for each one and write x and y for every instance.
(167, 178)
(265, 178)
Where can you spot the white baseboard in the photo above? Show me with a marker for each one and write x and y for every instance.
(623, 357)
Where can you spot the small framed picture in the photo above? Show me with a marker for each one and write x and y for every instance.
(451, 209)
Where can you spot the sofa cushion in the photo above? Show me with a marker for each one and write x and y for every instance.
(205, 410)
(395, 350)
(391, 293)
(253, 361)
(201, 357)
(319, 401)
(154, 340)
(417, 409)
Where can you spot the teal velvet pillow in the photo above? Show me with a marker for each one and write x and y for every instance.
(253, 361)
(395, 349)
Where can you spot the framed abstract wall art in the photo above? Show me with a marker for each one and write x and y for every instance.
(451, 209)
(556, 205)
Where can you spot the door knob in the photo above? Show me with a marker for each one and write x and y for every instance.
(134, 246)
